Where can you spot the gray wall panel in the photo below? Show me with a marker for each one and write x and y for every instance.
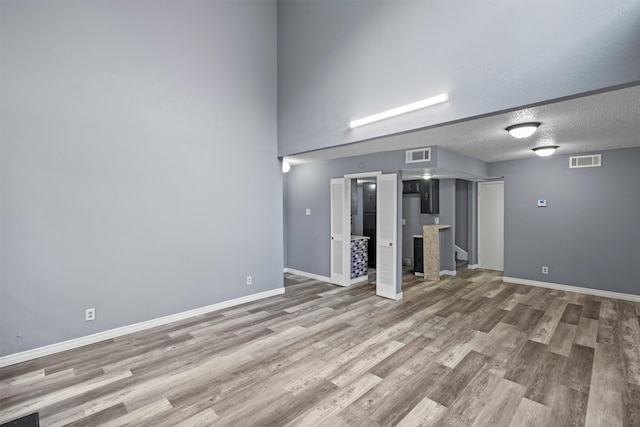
(447, 216)
(122, 129)
(587, 235)
(472, 249)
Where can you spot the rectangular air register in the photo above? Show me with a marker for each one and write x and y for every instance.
(593, 161)
(419, 155)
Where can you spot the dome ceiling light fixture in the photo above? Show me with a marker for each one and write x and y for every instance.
(545, 151)
(522, 130)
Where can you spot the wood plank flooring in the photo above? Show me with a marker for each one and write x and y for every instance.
(469, 350)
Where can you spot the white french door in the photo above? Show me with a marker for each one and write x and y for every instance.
(387, 236)
(340, 231)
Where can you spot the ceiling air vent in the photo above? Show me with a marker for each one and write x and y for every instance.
(592, 161)
(419, 155)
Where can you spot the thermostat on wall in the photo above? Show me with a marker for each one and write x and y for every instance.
(542, 203)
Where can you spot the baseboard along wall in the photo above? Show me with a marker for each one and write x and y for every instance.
(570, 288)
(309, 275)
(35, 353)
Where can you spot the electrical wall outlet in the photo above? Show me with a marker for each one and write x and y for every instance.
(436, 220)
(249, 280)
(545, 269)
(90, 314)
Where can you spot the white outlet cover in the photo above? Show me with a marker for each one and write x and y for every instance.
(308, 211)
(436, 220)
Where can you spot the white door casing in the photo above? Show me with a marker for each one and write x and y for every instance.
(491, 225)
(387, 236)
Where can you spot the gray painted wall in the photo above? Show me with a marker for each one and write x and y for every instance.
(122, 128)
(343, 60)
(588, 235)
(454, 161)
(462, 214)
(447, 216)
(472, 247)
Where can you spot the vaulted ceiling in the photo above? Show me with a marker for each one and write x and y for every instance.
(602, 121)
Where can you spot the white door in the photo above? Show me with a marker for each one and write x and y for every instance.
(387, 236)
(340, 232)
(491, 225)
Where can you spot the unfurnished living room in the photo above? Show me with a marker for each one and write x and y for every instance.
(319, 213)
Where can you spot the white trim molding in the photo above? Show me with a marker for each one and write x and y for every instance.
(360, 279)
(570, 288)
(399, 296)
(362, 174)
(472, 266)
(309, 275)
(462, 254)
(47, 350)
(448, 273)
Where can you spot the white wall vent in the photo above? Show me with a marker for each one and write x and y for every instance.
(593, 161)
(419, 155)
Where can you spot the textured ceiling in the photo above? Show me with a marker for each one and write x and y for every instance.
(603, 121)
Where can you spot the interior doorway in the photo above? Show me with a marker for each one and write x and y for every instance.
(383, 235)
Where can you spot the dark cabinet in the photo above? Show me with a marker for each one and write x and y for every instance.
(418, 262)
(369, 196)
(430, 196)
(369, 230)
(411, 187)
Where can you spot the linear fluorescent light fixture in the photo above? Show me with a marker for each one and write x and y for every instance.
(439, 99)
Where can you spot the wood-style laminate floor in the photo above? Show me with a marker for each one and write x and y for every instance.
(466, 351)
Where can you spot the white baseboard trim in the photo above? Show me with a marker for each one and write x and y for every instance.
(360, 279)
(47, 350)
(417, 273)
(448, 273)
(570, 288)
(309, 275)
(462, 254)
(399, 296)
(472, 266)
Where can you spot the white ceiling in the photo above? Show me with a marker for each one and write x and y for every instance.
(603, 121)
